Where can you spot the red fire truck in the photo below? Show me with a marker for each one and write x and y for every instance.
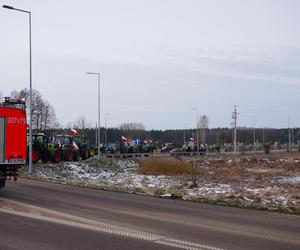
(13, 128)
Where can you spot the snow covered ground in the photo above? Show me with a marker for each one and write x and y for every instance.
(267, 183)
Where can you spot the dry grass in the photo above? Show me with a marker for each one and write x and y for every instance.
(229, 173)
(164, 166)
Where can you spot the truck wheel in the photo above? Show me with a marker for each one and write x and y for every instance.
(36, 154)
(56, 156)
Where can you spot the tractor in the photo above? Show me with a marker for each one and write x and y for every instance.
(149, 147)
(43, 150)
(69, 148)
(85, 150)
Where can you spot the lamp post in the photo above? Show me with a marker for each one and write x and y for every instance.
(99, 127)
(106, 114)
(30, 84)
(197, 133)
(184, 127)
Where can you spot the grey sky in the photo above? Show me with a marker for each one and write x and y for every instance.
(158, 59)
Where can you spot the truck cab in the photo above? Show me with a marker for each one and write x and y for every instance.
(13, 128)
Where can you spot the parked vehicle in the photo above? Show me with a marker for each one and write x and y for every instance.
(69, 149)
(167, 147)
(13, 130)
(85, 150)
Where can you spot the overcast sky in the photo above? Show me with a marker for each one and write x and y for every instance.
(158, 59)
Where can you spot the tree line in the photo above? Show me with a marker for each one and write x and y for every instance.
(219, 136)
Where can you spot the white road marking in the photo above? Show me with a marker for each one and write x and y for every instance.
(116, 230)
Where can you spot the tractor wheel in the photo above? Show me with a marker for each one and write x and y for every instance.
(45, 156)
(56, 156)
(92, 152)
(68, 155)
(76, 155)
(36, 154)
(84, 153)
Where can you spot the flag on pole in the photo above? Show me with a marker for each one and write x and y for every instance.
(73, 132)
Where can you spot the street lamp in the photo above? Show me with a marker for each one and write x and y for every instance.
(30, 85)
(197, 133)
(184, 128)
(105, 139)
(99, 127)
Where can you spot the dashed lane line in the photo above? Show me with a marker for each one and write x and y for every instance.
(116, 230)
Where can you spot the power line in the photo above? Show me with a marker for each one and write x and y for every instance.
(234, 116)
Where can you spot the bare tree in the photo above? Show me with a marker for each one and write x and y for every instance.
(203, 124)
(43, 114)
(81, 123)
(69, 125)
(132, 126)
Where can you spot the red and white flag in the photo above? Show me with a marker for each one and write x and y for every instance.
(73, 132)
(75, 146)
(123, 138)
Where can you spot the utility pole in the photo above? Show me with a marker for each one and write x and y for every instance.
(96, 134)
(184, 133)
(253, 117)
(105, 139)
(293, 128)
(197, 132)
(99, 124)
(234, 117)
(289, 134)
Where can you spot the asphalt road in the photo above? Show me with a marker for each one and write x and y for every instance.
(38, 215)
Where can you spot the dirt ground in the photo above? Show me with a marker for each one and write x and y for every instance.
(264, 181)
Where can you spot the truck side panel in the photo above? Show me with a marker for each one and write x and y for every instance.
(15, 142)
(2, 139)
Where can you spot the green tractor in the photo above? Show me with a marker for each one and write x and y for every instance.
(69, 148)
(149, 147)
(43, 150)
(85, 150)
